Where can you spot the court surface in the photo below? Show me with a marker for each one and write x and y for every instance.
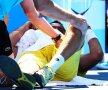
(94, 79)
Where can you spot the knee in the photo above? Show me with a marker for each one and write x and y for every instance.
(82, 31)
(28, 64)
(76, 32)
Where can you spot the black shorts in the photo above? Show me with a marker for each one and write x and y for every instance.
(5, 43)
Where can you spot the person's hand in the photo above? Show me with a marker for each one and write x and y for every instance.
(57, 44)
(79, 22)
(28, 25)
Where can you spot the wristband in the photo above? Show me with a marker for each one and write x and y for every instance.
(57, 38)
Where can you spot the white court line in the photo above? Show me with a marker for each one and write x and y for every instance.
(80, 81)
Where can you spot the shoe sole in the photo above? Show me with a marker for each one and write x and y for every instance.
(10, 67)
(12, 70)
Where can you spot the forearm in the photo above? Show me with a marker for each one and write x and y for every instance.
(16, 35)
(33, 15)
(50, 9)
(87, 61)
(43, 25)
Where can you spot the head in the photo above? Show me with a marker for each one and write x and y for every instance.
(59, 26)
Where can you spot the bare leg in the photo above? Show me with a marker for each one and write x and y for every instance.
(72, 42)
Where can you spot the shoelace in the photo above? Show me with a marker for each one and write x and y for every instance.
(48, 74)
(3, 80)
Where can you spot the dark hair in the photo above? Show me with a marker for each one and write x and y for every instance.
(61, 29)
(56, 21)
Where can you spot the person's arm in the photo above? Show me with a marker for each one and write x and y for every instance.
(33, 15)
(16, 35)
(87, 61)
(6, 20)
(50, 9)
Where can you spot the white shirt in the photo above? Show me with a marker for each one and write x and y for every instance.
(33, 40)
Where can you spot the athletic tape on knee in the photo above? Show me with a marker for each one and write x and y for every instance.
(89, 35)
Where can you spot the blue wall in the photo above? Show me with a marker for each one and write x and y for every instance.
(16, 18)
(95, 17)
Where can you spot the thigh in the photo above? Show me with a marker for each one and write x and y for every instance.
(69, 69)
(31, 62)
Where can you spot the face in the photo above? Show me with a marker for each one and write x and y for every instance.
(58, 27)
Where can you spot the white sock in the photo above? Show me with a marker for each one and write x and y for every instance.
(56, 62)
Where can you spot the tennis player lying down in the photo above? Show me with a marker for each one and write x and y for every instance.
(37, 49)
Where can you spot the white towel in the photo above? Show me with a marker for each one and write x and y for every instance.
(42, 41)
(32, 40)
(28, 39)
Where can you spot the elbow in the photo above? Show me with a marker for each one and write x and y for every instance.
(98, 56)
(40, 5)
